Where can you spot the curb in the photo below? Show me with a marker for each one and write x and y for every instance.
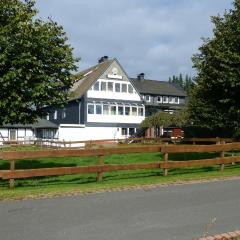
(223, 236)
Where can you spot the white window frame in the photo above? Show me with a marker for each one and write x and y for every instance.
(160, 99)
(126, 88)
(112, 86)
(105, 86)
(123, 110)
(108, 109)
(148, 98)
(55, 114)
(92, 104)
(166, 99)
(120, 87)
(101, 105)
(139, 111)
(176, 102)
(129, 110)
(97, 82)
(64, 113)
(171, 99)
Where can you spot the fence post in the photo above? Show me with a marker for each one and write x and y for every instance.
(222, 156)
(165, 158)
(12, 168)
(100, 162)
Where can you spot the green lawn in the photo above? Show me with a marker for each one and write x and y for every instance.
(77, 183)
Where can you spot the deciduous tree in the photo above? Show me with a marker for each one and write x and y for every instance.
(216, 98)
(36, 63)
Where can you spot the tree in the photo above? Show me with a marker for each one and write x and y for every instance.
(215, 101)
(186, 83)
(36, 63)
(165, 119)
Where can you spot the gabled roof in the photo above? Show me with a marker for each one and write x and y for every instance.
(41, 123)
(145, 86)
(86, 78)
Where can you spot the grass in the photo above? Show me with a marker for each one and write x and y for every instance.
(81, 183)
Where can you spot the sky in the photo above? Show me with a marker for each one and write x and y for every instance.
(156, 37)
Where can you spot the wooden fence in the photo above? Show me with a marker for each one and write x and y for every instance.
(100, 168)
(89, 143)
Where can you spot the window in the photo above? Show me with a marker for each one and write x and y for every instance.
(98, 109)
(117, 87)
(124, 88)
(148, 99)
(127, 110)
(103, 86)
(165, 99)
(55, 114)
(124, 131)
(110, 86)
(170, 99)
(176, 100)
(113, 110)
(96, 86)
(134, 111)
(64, 113)
(90, 109)
(131, 131)
(120, 110)
(105, 109)
(140, 111)
(130, 88)
(159, 99)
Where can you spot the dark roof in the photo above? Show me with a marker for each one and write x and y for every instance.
(86, 78)
(41, 123)
(157, 87)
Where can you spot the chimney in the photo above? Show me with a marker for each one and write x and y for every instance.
(103, 59)
(140, 76)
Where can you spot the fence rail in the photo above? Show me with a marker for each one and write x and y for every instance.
(100, 168)
(70, 144)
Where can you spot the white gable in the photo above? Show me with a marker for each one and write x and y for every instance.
(114, 84)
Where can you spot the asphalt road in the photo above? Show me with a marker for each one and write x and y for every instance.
(174, 212)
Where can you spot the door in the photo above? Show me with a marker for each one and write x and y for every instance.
(13, 134)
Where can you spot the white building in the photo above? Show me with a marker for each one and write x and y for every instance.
(104, 104)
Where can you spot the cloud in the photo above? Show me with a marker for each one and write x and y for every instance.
(157, 37)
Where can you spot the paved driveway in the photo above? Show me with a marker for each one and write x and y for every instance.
(174, 212)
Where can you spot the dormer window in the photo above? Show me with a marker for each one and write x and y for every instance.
(165, 99)
(147, 98)
(159, 99)
(176, 100)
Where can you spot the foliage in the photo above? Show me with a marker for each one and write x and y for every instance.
(36, 63)
(164, 119)
(186, 83)
(215, 101)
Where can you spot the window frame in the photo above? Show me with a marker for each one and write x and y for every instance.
(90, 105)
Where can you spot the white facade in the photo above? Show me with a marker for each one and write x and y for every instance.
(13, 134)
(113, 108)
(113, 89)
(82, 133)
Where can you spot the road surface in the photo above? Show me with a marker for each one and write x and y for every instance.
(173, 212)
